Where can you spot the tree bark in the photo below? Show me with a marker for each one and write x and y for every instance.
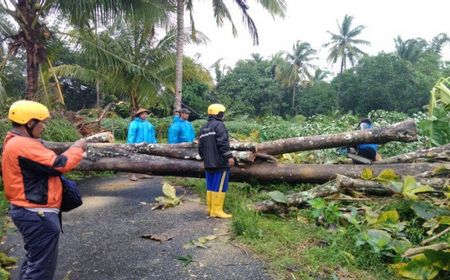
(441, 153)
(125, 158)
(261, 172)
(179, 54)
(102, 137)
(101, 147)
(405, 131)
(30, 33)
(97, 93)
(364, 186)
(419, 250)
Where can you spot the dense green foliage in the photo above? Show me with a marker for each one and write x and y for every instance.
(383, 82)
(319, 98)
(250, 90)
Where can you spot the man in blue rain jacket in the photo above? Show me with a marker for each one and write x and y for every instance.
(140, 129)
(181, 130)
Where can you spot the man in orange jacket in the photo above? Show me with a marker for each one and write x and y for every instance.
(31, 177)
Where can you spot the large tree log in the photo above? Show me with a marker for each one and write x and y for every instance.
(261, 172)
(179, 151)
(441, 153)
(405, 131)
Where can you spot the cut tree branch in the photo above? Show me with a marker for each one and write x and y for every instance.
(405, 131)
(441, 153)
(435, 237)
(419, 250)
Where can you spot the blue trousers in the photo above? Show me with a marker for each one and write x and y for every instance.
(217, 181)
(40, 233)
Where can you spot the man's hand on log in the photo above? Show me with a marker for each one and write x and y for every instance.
(81, 143)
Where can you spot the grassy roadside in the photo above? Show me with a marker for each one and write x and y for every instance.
(292, 246)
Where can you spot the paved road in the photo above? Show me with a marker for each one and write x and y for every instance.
(101, 239)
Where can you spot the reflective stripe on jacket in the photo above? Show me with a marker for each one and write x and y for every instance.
(31, 171)
(181, 131)
(141, 131)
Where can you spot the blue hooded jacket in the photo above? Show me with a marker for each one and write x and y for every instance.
(181, 131)
(141, 131)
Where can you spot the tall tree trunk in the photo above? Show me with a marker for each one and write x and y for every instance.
(179, 55)
(293, 100)
(32, 71)
(338, 95)
(35, 51)
(97, 92)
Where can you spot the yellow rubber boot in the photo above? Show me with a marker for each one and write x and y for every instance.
(217, 201)
(208, 201)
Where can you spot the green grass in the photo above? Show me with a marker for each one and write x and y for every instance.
(293, 246)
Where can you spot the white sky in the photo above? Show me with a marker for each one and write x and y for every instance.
(309, 21)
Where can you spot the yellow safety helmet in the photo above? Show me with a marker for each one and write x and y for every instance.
(23, 111)
(215, 109)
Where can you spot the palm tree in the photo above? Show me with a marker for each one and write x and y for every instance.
(293, 69)
(129, 61)
(221, 13)
(34, 35)
(438, 42)
(411, 49)
(344, 44)
(320, 75)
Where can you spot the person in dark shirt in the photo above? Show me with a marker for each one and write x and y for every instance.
(369, 151)
(214, 149)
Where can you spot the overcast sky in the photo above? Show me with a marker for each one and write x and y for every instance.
(309, 21)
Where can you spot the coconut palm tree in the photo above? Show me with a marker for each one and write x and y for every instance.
(221, 13)
(34, 35)
(294, 68)
(438, 42)
(344, 44)
(411, 49)
(320, 75)
(128, 60)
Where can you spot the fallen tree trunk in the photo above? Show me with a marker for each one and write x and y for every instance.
(60, 147)
(248, 152)
(364, 186)
(405, 131)
(178, 151)
(261, 172)
(441, 153)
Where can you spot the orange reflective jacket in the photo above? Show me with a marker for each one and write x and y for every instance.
(31, 172)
